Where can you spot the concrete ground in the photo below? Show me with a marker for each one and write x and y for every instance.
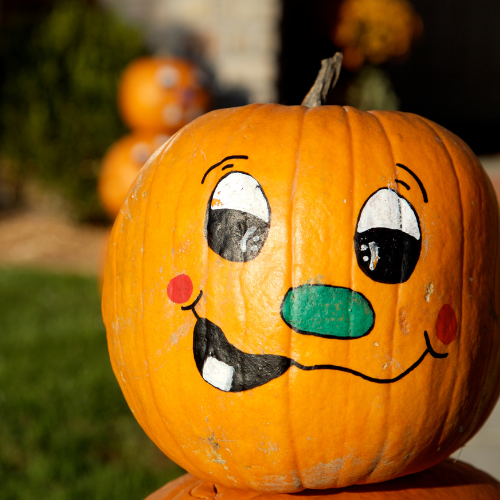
(483, 450)
(31, 238)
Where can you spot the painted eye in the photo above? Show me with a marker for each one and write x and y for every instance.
(387, 240)
(141, 152)
(238, 218)
(168, 76)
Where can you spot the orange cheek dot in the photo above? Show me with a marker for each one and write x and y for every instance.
(180, 288)
(446, 325)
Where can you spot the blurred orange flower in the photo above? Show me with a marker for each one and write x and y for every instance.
(375, 30)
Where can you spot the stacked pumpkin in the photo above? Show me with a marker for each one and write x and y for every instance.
(307, 297)
(375, 31)
(157, 97)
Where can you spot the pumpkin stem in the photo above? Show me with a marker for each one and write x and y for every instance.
(325, 81)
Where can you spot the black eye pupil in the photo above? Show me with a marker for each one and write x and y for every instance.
(387, 255)
(234, 235)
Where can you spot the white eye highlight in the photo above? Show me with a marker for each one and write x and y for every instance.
(387, 209)
(239, 191)
(374, 257)
(168, 76)
(250, 231)
(141, 152)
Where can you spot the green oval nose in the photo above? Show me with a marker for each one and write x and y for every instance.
(327, 311)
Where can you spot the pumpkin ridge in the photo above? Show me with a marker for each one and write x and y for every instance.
(291, 274)
(252, 109)
(397, 294)
(114, 290)
(398, 285)
(141, 322)
(158, 155)
(176, 208)
(386, 117)
(460, 330)
(497, 288)
(386, 426)
(151, 179)
(136, 337)
(487, 373)
(129, 394)
(353, 225)
(242, 269)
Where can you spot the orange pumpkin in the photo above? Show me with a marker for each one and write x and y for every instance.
(445, 481)
(121, 164)
(375, 31)
(162, 94)
(307, 298)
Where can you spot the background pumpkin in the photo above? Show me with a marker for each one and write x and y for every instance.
(320, 428)
(122, 163)
(445, 481)
(162, 94)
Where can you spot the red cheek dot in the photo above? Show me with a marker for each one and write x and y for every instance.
(446, 325)
(180, 288)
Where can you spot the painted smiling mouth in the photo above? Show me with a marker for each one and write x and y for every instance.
(229, 369)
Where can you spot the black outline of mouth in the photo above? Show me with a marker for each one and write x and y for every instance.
(254, 370)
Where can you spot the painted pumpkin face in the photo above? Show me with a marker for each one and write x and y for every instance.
(162, 94)
(305, 298)
(122, 163)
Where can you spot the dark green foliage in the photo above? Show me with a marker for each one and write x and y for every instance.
(58, 109)
(65, 429)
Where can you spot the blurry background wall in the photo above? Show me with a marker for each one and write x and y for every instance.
(239, 39)
(453, 77)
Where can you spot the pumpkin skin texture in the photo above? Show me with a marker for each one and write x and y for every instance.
(121, 164)
(445, 481)
(162, 94)
(274, 377)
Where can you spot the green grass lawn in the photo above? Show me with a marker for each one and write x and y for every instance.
(65, 429)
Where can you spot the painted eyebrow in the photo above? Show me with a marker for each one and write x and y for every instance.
(232, 157)
(403, 183)
(419, 182)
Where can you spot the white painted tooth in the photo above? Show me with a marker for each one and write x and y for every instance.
(218, 374)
